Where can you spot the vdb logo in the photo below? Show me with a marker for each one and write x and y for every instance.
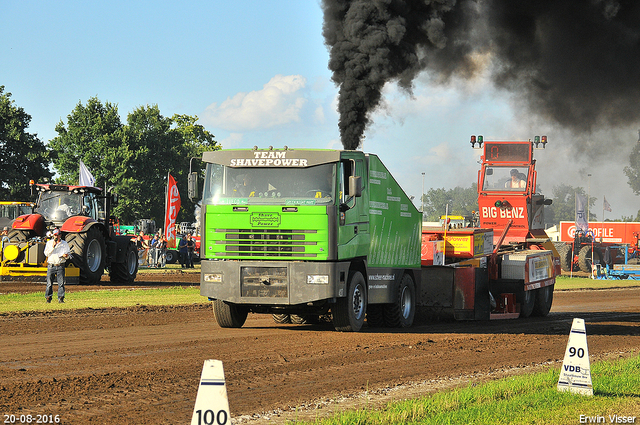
(572, 368)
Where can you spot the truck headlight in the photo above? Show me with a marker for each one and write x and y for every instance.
(213, 277)
(318, 279)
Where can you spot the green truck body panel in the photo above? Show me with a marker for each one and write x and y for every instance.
(294, 235)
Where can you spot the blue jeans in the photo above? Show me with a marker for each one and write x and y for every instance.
(59, 272)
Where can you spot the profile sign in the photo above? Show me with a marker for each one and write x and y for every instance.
(212, 404)
(575, 375)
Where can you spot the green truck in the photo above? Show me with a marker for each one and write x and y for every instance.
(305, 234)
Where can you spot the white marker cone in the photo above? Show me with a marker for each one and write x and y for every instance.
(575, 375)
(212, 404)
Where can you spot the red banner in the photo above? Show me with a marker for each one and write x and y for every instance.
(173, 206)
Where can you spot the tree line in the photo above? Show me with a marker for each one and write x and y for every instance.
(133, 158)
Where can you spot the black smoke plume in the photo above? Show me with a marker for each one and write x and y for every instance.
(572, 62)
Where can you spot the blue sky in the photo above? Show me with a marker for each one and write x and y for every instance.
(255, 73)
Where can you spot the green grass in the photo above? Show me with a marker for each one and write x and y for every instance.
(565, 282)
(526, 399)
(101, 299)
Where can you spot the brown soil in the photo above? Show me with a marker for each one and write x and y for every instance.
(142, 365)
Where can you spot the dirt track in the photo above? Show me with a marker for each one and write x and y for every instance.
(142, 365)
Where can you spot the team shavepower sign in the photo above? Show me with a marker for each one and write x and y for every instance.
(173, 206)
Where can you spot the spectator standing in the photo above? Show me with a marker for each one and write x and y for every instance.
(5, 235)
(57, 251)
(142, 246)
(153, 251)
(191, 247)
(161, 247)
(183, 250)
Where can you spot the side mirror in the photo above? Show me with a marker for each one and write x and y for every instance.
(114, 199)
(192, 186)
(355, 186)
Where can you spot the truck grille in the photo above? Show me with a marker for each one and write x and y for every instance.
(246, 243)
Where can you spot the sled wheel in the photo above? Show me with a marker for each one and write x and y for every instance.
(375, 315)
(229, 315)
(527, 300)
(349, 312)
(281, 318)
(544, 299)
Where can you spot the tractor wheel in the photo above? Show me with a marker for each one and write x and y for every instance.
(126, 271)
(281, 318)
(566, 257)
(88, 250)
(375, 315)
(171, 256)
(527, 300)
(584, 258)
(400, 313)
(544, 299)
(349, 312)
(229, 315)
(17, 236)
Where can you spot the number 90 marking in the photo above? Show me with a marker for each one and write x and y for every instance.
(573, 352)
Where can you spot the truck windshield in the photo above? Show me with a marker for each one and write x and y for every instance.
(505, 178)
(300, 186)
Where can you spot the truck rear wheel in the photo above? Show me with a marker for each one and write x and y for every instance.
(349, 312)
(229, 315)
(544, 299)
(584, 258)
(400, 314)
(88, 254)
(127, 271)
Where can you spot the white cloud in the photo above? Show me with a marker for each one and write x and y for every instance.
(279, 102)
(233, 141)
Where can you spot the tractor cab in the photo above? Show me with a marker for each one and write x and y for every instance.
(507, 195)
(58, 203)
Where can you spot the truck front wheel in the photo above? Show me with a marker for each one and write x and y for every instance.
(349, 312)
(400, 314)
(229, 315)
(171, 256)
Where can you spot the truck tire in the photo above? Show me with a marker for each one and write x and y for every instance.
(229, 315)
(544, 299)
(171, 256)
(126, 271)
(375, 315)
(281, 318)
(527, 300)
(400, 314)
(349, 312)
(88, 250)
(566, 257)
(584, 258)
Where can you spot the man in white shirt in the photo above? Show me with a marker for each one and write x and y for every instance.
(57, 251)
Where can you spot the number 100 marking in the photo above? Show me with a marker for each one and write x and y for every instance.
(210, 417)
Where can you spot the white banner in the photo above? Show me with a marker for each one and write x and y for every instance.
(86, 178)
(582, 222)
